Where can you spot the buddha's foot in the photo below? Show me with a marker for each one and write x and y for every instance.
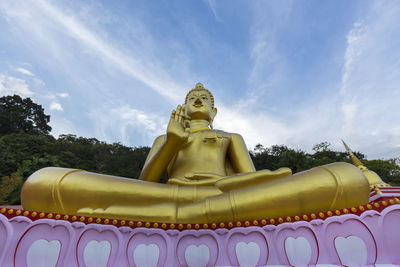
(249, 179)
(163, 212)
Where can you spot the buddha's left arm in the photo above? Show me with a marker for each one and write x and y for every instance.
(239, 155)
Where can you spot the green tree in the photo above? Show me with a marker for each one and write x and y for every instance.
(388, 170)
(19, 115)
(96, 156)
(8, 185)
(275, 157)
(323, 146)
(15, 148)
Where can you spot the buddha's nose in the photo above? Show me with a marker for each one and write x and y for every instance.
(198, 102)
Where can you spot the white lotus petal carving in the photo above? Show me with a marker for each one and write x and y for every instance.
(298, 251)
(351, 250)
(43, 253)
(247, 254)
(146, 255)
(197, 256)
(96, 253)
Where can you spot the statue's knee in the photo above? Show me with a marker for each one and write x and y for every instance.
(41, 190)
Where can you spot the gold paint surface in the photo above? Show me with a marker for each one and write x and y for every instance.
(212, 179)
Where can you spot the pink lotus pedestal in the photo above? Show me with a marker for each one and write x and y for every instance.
(365, 235)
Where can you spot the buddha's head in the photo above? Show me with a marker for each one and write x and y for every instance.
(199, 104)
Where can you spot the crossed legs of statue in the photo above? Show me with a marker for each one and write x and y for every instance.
(333, 186)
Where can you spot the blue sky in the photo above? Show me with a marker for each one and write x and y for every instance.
(282, 72)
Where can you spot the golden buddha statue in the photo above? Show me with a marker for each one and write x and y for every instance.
(211, 179)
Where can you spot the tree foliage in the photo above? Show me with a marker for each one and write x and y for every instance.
(278, 156)
(22, 154)
(19, 115)
(8, 185)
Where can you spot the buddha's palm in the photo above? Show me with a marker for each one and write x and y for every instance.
(176, 130)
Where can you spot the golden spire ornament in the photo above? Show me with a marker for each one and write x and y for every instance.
(354, 159)
(373, 178)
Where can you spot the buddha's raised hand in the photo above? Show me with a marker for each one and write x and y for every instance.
(176, 125)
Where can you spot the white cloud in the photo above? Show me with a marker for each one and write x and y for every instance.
(369, 93)
(356, 110)
(24, 63)
(38, 82)
(63, 95)
(25, 72)
(61, 125)
(354, 50)
(10, 85)
(363, 109)
(53, 96)
(255, 127)
(268, 65)
(123, 121)
(212, 4)
(138, 68)
(56, 106)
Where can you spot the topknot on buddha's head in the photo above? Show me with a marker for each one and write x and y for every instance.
(200, 87)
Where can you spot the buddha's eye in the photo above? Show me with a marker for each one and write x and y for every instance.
(191, 98)
(204, 98)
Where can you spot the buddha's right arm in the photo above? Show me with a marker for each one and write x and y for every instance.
(165, 147)
(160, 155)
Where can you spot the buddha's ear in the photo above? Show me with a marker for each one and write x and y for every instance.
(214, 113)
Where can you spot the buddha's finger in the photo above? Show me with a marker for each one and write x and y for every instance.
(183, 114)
(178, 110)
(173, 114)
(180, 113)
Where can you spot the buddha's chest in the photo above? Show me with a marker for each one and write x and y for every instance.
(210, 144)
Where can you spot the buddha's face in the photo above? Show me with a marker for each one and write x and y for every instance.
(199, 106)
